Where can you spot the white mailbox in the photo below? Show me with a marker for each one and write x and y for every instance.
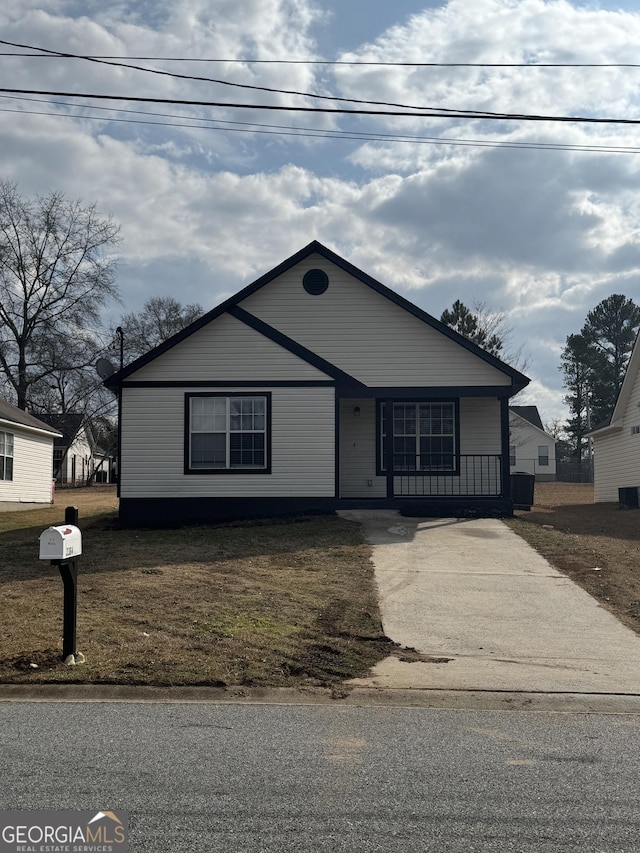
(60, 543)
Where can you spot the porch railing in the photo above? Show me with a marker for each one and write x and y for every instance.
(479, 475)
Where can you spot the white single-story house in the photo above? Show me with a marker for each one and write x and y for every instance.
(26, 456)
(314, 388)
(531, 449)
(73, 456)
(616, 446)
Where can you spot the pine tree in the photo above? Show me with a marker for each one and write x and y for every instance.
(480, 327)
(611, 329)
(594, 364)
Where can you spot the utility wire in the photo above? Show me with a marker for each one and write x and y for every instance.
(252, 87)
(425, 113)
(349, 62)
(313, 133)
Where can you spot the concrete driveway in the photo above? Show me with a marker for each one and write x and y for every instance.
(489, 612)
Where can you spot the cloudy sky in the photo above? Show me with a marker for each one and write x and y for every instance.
(537, 219)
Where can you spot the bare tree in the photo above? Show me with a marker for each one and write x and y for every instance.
(56, 273)
(159, 319)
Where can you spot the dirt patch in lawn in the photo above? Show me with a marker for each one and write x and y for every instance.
(596, 545)
(272, 604)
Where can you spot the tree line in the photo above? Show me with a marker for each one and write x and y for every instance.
(58, 274)
(593, 361)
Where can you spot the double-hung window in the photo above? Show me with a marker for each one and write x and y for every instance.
(6, 456)
(424, 437)
(543, 455)
(227, 433)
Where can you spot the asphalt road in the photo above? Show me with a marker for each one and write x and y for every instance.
(273, 779)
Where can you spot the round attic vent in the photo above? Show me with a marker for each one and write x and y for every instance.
(315, 282)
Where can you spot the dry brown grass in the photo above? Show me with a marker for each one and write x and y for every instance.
(279, 604)
(274, 604)
(596, 545)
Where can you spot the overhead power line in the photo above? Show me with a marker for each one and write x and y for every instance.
(193, 78)
(319, 133)
(329, 62)
(426, 112)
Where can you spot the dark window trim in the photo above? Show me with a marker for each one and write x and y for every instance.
(382, 472)
(224, 471)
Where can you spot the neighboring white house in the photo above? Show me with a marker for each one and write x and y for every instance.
(314, 388)
(26, 456)
(616, 447)
(73, 457)
(531, 449)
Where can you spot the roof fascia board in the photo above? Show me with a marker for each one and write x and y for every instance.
(610, 429)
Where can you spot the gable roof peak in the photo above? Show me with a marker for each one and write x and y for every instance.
(518, 380)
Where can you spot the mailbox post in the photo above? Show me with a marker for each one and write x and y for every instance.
(63, 545)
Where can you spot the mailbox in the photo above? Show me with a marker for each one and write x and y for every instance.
(61, 543)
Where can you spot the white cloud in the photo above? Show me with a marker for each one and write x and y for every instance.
(543, 235)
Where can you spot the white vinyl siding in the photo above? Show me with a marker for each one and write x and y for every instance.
(480, 425)
(76, 462)
(610, 471)
(358, 477)
(227, 350)
(365, 334)
(302, 446)
(32, 467)
(529, 442)
(616, 455)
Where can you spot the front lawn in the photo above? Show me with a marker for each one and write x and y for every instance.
(272, 604)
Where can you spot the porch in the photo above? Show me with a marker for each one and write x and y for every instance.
(442, 449)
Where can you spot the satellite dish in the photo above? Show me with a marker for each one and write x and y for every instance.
(104, 368)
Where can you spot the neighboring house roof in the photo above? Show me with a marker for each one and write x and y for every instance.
(633, 369)
(528, 423)
(11, 414)
(66, 425)
(528, 413)
(231, 306)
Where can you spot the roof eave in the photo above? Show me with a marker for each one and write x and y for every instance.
(15, 425)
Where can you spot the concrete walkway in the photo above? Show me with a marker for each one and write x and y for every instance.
(490, 612)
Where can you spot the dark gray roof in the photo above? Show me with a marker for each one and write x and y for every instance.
(68, 424)
(9, 412)
(529, 413)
